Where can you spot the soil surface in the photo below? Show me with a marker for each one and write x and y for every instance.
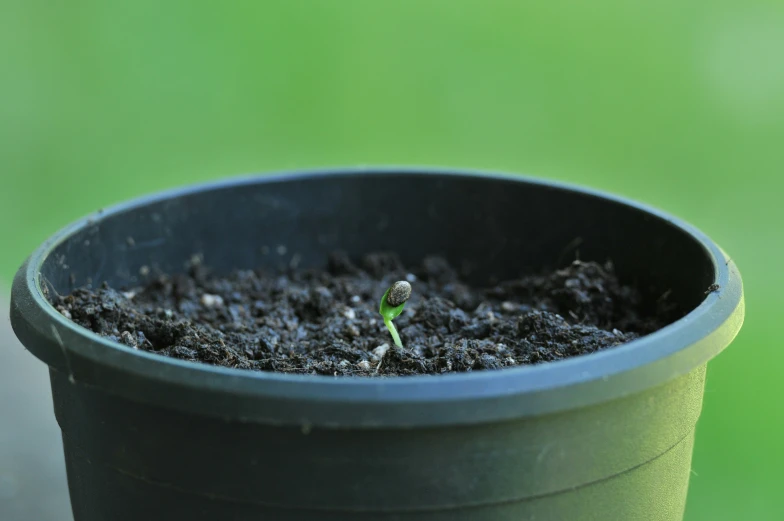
(327, 322)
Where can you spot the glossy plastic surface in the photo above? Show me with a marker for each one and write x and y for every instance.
(603, 436)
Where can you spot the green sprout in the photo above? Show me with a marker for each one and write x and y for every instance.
(392, 304)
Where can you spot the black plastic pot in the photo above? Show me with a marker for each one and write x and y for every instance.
(607, 436)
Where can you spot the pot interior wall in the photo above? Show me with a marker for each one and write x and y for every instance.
(492, 228)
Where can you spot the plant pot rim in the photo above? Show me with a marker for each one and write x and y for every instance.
(491, 395)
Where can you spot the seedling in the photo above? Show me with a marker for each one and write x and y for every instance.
(392, 304)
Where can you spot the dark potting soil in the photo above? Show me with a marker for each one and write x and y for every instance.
(327, 322)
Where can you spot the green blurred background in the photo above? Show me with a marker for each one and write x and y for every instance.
(678, 104)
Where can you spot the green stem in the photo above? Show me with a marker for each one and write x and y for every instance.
(393, 330)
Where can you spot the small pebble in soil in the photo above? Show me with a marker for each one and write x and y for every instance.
(127, 338)
(326, 322)
(211, 301)
(379, 352)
